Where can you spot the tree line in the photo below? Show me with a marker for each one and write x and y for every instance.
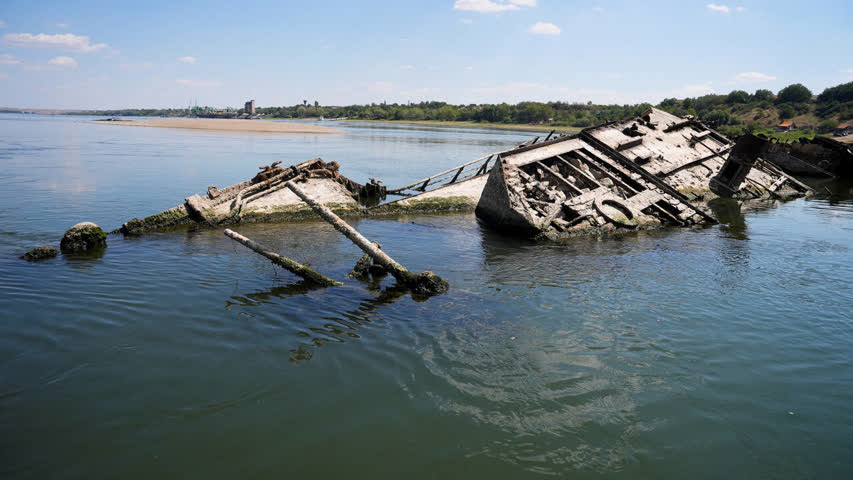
(734, 113)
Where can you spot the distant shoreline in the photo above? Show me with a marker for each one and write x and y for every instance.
(453, 123)
(229, 125)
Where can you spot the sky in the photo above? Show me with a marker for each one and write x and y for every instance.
(159, 54)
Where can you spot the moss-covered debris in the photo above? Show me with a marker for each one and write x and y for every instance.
(83, 236)
(40, 253)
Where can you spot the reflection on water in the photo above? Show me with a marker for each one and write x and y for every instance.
(728, 212)
(336, 329)
(667, 354)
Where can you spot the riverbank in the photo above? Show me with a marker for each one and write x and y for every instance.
(455, 124)
(231, 125)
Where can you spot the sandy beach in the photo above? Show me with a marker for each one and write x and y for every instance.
(230, 125)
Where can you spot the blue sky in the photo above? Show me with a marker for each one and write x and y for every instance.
(165, 54)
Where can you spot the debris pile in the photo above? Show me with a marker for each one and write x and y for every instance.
(425, 283)
(262, 198)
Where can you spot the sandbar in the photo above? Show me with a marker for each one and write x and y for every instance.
(225, 124)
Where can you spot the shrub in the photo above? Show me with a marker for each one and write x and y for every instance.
(827, 125)
(716, 117)
(786, 111)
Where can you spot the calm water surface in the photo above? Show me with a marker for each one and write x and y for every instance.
(724, 352)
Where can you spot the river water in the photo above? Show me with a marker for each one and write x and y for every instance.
(723, 352)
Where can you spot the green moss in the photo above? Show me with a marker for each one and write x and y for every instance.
(169, 218)
(426, 205)
(305, 272)
(697, 194)
(40, 253)
(81, 238)
(291, 213)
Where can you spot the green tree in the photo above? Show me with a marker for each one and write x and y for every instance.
(447, 113)
(786, 111)
(795, 93)
(840, 93)
(737, 96)
(716, 117)
(827, 125)
(762, 94)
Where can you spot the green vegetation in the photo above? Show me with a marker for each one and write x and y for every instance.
(739, 112)
(733, 114)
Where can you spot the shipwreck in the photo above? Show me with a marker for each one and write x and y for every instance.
(646, 172)
(263, 198)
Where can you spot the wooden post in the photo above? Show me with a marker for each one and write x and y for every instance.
(286, 263)
(426, 282)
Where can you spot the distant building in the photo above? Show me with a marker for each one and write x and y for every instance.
(844, 129)
(250, 107)
(786, 126)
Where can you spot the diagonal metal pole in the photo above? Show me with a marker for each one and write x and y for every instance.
(426, 282)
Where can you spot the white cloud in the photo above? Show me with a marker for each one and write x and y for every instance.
(407, 67)
(597, 9)
(469, 67)
(753, 77)
(65, 41)
(63, 62)
(542, 28)
(849, 70)
(187, 59)
(489, 6)
(466, 21)
(2, 24)
(197, 83)
(63, 25)
(724, 8)
(6, 59)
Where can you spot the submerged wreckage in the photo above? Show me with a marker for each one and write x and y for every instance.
(633, 174)
(645, 172)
